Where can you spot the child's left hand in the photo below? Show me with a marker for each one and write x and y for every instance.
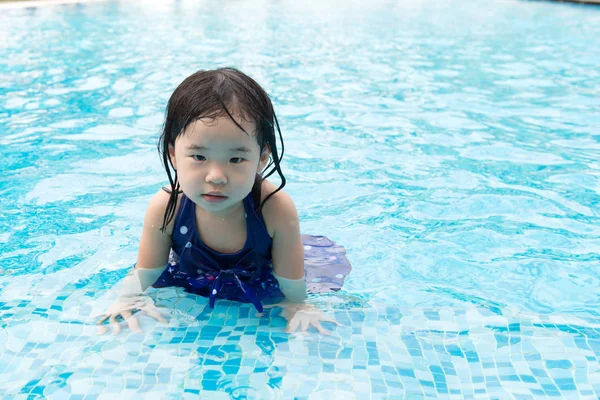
(303, 315)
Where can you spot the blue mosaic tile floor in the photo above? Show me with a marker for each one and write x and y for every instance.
(380, 352)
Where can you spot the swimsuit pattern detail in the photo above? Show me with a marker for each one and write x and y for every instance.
(244, 276)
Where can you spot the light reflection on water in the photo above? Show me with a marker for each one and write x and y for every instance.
(451, 147)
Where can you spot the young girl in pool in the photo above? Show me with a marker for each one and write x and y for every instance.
(221, 230)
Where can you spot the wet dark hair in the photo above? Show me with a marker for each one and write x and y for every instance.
(213, 94)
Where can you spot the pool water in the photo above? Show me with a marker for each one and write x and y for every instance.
(452, 147)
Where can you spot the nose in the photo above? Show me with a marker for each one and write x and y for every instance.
(216, 175)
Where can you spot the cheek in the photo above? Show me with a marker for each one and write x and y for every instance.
(188, 171)
(253, 169)
(245, 178)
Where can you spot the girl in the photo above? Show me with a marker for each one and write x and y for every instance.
(221, 230)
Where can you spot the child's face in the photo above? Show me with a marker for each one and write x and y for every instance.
(216, 162)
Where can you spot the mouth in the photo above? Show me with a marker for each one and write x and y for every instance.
(214, 197)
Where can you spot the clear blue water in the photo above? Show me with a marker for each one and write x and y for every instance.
(452, 147)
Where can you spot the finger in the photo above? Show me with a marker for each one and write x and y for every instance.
(101, 321)
(132, 321)
(330, 319)
(304, 325)
(320, 328)
(101, 330)
(292, 325)
(102, 314)
(156, 315)
(115, 325)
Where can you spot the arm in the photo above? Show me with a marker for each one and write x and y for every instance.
(282, 221)
(287, 251)
(152, 260)
(155, 245)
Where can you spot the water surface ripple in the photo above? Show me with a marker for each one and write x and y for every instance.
(452, 147)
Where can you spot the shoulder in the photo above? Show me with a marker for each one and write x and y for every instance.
(279, 212)
(157, 207)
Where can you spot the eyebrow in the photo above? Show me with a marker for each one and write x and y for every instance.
(240, 149)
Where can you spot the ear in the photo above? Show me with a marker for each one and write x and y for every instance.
(264, 159)
(172, 156)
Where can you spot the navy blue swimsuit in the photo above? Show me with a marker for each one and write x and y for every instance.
(244, 276)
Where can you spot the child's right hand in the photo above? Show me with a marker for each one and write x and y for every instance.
(124, 307)
(132, 298)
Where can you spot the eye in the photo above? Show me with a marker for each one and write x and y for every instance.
(198, 157)
(236, 160)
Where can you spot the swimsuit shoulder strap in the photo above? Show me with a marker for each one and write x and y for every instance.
(259, 237)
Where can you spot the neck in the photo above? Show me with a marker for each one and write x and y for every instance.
(223, 214)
